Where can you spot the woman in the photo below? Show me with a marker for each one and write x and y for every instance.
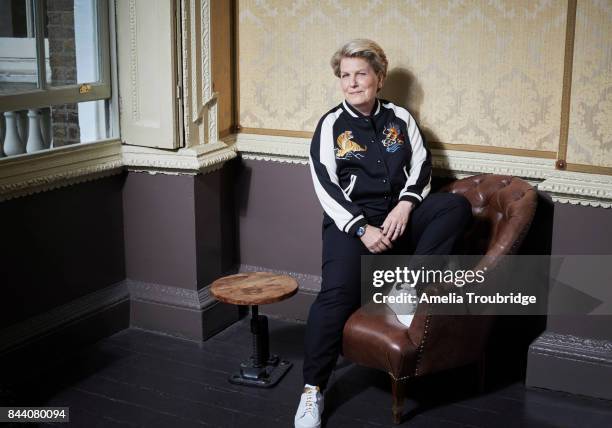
(371, 172)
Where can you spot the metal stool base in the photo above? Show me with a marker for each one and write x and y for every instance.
(262, 377)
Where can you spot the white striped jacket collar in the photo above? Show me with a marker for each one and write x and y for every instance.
(353, 112)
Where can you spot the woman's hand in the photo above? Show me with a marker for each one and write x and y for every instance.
(374, 240)
(395, 224)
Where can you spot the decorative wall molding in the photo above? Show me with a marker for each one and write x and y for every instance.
(192, 314)
(565, 346)
(573, 347)
(199, 100)
(462, 164)
(133, 32)
(564, 186)
(307, 282)
(579, 188)
(273, 148)
(32, 173)
(564, 362)
(28, 174)
(168, 295)
(192, 160)
(18, 334)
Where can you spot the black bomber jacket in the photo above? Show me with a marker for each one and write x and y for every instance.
(362, 166)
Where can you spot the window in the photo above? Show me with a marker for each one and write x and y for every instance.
(55, 80)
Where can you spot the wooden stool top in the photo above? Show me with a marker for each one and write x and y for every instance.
(254, 288)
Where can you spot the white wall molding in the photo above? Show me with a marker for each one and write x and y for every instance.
(191, 161)
(462, 164)
(26, 174)
(273, 148)
(564, 186)
(32, 173)
(579, 188)
(200, 114)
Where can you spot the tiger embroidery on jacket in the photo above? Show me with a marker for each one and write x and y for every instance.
(394, 138)
(347, 147)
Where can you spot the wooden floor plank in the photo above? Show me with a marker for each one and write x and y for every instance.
(139, 378)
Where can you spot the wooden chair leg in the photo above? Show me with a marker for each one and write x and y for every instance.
(397, 389)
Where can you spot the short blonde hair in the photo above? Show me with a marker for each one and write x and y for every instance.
(361, 48)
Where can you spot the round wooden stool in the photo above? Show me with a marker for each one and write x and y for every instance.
(253, 289)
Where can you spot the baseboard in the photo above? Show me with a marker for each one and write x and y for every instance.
(27, 345)
(180, 312)
(190, 314)
(22, 333)
(573, 364)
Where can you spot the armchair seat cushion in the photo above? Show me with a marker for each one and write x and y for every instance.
(389, 345)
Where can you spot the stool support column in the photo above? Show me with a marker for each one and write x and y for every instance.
(261, 342)
(262, 369)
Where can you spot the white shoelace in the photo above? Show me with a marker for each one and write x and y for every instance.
(311, 396)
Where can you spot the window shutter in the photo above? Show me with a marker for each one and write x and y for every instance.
(147, 62)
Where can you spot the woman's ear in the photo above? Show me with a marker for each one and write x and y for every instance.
(381, 81)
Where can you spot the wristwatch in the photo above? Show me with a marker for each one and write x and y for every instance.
(360, 231)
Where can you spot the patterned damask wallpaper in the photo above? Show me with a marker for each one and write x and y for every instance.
(590, 132)
(482, 72)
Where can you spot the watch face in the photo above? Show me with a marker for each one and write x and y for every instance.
(360, 231)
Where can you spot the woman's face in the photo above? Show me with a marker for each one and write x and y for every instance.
(359, 83)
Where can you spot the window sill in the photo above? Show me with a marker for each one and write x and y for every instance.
(191, 161)
(27, 174)
(32, 173)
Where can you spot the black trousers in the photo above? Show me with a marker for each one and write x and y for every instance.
(433, 228)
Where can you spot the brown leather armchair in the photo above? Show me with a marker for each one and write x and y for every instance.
(503, 208)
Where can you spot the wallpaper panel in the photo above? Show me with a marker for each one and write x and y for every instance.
(590, 131)
(486, 72)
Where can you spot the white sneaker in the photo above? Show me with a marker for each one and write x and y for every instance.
(403, 311)
(309, 411)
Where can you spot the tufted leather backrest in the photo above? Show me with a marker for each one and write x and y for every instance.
(503, 208)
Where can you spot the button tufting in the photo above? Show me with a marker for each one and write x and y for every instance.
(519, 196)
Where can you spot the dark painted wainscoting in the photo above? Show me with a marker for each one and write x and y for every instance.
(574, 354)
(179, 237)
(279, 229)
(82, 262)
(61, 272)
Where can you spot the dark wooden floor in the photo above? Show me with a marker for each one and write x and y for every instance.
(137, 378)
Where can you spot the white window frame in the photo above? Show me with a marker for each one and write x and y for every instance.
(30, 173)
(26, 174)
(45, 95)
